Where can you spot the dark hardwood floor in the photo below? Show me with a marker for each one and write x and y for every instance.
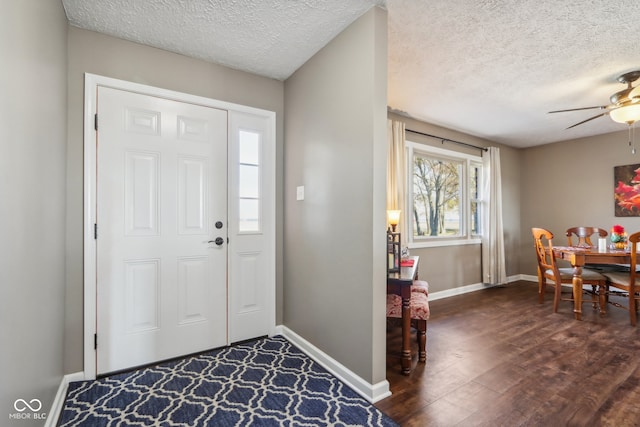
(498, 358)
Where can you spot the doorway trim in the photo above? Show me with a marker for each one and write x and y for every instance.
(91, 83)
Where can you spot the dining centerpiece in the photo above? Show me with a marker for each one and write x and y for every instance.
(618, 237)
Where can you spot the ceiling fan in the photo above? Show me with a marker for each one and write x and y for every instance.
(625, 104)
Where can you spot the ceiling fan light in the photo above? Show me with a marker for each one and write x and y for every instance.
(626, 114)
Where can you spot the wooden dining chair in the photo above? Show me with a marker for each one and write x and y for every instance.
(627, 281)
(548, 270)
(583, 234)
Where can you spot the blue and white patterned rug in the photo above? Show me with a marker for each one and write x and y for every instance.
(267, 382)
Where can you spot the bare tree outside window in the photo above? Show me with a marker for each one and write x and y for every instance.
(445, 203)
(436, 198)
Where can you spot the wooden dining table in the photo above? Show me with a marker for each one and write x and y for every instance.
(578, 257)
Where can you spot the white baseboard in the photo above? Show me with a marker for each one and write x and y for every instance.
(58, 401)
(477, 287)
(371, 392)
(458, 291)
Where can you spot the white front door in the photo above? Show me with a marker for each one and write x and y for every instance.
(161, 205)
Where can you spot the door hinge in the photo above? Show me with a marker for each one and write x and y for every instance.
(95, 341)
(95, 231)
(95, 121)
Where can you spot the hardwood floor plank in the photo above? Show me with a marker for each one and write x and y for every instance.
(621, 407)
(472, 397)
(440, 413)
(506, 410)
(502, 377)
(553, 412)
(498, 358)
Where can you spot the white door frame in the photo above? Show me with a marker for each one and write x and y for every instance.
(92, 82)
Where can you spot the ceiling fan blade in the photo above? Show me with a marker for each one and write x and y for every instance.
(600, 107)
(589, 119)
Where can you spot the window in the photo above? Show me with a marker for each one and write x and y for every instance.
(249, 182)
(475, 180)
(444, 205)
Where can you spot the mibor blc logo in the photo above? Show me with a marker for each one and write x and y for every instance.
(27, 410)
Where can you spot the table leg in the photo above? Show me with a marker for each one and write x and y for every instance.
(406, 330)
(602, 294)
(577, 292)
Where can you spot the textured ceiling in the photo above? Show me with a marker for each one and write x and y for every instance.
(266, 37)
(494, 68)
(489, 68)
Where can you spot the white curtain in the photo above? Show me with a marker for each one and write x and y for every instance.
(396, 173)
(493, 264)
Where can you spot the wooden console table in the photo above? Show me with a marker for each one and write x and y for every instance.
(400, 284)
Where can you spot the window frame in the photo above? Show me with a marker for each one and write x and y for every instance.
(468, 161)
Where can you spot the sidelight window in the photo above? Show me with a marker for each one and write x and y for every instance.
(249, 181)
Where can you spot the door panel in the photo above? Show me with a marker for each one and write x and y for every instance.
(192, 289)
(161, 187)
(191, 195)
(142, 303)
(141, 194)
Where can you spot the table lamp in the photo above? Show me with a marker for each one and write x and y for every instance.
(393, 242)
(393, 218)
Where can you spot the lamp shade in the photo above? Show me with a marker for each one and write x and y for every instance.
(393, 217)
(627, 114)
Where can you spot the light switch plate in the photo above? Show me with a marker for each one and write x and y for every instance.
(300, 192)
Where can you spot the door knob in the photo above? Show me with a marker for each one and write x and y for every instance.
(219, 241)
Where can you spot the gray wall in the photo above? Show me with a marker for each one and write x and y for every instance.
(335, 146)
(32, 195)
(570, 184)
(450, 267)
(90, 52)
